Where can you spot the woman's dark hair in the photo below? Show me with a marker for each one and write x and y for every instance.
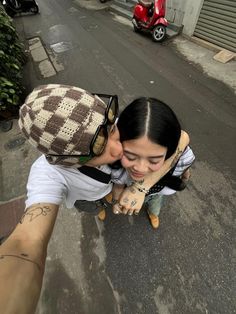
(153, 118)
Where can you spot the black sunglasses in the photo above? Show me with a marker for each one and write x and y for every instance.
(100, 138)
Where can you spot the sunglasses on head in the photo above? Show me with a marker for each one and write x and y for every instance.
(99, 141)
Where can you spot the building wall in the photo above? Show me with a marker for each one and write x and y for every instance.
(192, 11)
(175, 10)
(184, 12)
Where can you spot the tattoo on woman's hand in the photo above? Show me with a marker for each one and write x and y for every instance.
(133, 203)
(125, 200)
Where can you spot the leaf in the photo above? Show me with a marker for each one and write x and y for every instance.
(15, 66)
(3, 95)
(11, 56)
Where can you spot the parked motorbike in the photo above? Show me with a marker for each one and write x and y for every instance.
(150, 16)
(12, 7)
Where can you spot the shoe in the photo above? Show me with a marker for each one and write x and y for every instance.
(108, 198)
(155, 221)
(102, 215)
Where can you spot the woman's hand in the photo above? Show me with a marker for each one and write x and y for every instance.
(131, 201)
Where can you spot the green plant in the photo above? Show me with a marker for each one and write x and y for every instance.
(11, 62)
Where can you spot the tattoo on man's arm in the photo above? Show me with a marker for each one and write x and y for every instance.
(22, 256)
(33, 213)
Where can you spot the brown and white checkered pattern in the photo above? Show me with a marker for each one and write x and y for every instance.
(61, 119)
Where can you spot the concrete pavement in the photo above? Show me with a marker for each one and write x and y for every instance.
(196, 51)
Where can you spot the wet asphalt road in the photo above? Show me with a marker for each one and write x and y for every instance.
(123, 266)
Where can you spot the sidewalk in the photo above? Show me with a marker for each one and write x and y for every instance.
(202, 56)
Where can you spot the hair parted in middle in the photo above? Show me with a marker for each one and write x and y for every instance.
(153, 118)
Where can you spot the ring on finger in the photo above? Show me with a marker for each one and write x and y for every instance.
(130, 213)
(136, 213)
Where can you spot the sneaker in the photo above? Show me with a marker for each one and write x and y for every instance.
(154, 220)
(102, 215)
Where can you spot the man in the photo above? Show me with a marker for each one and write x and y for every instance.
(74, 130)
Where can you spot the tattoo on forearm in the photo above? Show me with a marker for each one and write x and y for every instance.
(35, 212)
(21, 256)
(134, 202)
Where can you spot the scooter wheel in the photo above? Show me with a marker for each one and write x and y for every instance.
(34, 9)
(136, 29)
(159, 33)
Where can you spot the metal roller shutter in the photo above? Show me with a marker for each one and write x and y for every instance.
(217, 23)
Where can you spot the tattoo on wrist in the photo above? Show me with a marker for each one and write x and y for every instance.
(22, 256)
(140, 188)
(132, 189)
(35, 212)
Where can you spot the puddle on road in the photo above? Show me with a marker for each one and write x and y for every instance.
(60, 38)
(61, 47)
(73, 10)
(15, 143)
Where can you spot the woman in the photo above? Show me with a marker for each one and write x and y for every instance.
(149, 133)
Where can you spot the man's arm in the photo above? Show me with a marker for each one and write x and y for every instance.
(116, 193)
(133, 196)
(22, 259)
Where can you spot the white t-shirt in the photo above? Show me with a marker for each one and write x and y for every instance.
(53, 183)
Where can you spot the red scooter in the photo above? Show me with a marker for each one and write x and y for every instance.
(150, 16)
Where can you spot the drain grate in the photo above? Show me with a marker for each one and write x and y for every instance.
(15, 143)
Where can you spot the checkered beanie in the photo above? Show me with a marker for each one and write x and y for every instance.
(61, 119)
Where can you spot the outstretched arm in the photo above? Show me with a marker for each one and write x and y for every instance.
(22, 260)
(133, 196)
